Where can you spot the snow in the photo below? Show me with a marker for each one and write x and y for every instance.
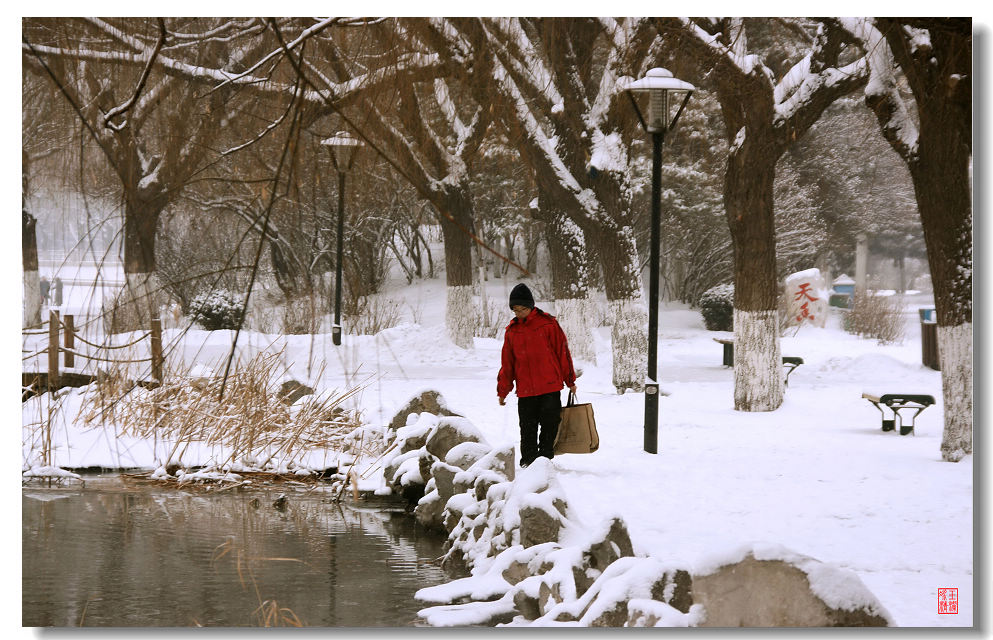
(816, 477)
(882, 82)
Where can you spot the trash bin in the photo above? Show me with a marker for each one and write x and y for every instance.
(929, 339)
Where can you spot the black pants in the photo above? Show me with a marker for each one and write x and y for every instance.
(544, 410)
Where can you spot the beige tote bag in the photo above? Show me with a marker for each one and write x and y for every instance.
(577, 430)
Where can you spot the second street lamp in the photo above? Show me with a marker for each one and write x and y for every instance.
(662, 92)
(343, 148)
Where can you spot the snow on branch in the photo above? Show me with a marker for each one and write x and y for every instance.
(447, 106)
(793, 79)
(169, 64)
(221, 33)
(518, 55)
(881, 92)
(304, 35)
(805, 85)
(736, 54)
(134, 43)
(130, 102)
(533, 129)
(621, 37)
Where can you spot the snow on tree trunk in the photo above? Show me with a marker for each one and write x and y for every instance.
(630, 343)
(568, 258)
(138, 302)
(625, 303)
(574, 316)
(748, 198)
(758, 376)
(459, 318)
(955, 354)
(460, 315)
(32, 299)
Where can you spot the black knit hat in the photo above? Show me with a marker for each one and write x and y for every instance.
(521, 295)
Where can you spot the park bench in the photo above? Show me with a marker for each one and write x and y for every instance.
(789, 362)
(897, 402)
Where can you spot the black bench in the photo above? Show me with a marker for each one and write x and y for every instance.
(896, 402)
(789, 362)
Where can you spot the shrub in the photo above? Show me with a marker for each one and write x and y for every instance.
(218, 309)
(877, 317)
(372, 315)
(717, 307)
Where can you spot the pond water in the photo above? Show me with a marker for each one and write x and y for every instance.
(107, 554)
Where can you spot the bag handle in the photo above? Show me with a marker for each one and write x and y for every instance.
(572, 399)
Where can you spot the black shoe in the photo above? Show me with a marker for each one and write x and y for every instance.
(525, 463)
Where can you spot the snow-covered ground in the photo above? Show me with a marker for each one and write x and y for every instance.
(817, 476)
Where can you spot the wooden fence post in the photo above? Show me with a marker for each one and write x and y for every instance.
(157, 349)
(53, 350)
(69, 341)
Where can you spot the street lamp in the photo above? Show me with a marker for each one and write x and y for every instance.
(344, 147)
(662, 92)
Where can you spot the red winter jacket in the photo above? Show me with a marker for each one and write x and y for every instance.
(536, 356)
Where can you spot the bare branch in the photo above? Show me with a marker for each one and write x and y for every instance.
(126, 106)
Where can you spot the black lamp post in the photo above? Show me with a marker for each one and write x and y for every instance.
(343, 148)
(662, 92)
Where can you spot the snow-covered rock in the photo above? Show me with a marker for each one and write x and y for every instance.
(466, 454)
(429, 401)
(449, 432)
(766, 585)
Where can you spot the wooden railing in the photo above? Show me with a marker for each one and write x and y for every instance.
(69, 351)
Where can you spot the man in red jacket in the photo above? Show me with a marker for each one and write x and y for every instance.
(535, 356)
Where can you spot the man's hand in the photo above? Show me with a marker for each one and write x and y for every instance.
(502, 399)
(572, 389)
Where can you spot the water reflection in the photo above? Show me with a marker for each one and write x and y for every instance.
(113, 556)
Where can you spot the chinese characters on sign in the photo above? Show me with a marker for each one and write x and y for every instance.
(804, 294)
(948, 600)
(806, 298)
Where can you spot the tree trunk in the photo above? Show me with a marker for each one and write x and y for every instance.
(939, 71)
(570, 283)
(460, 316)
(748, 201)
(944, 201)
(29, 253)
(139, 301)
(626, 306)
(32, 279)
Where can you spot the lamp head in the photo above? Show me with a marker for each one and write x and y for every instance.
(659, 94)
(344, 147)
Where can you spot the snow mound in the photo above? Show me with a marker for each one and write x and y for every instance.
(869, 368)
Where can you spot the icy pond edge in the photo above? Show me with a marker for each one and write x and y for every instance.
(530, 561)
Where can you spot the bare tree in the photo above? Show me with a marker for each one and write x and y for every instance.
(553, 86)
(763, 116)
(935, 57)
(154, 129)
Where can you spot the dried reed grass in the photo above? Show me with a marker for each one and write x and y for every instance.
(251, 420)
(268, 613)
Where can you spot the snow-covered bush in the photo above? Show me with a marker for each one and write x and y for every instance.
(217, 309)
(717, 308)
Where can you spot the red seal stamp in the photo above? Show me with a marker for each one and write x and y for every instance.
(948, 600)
